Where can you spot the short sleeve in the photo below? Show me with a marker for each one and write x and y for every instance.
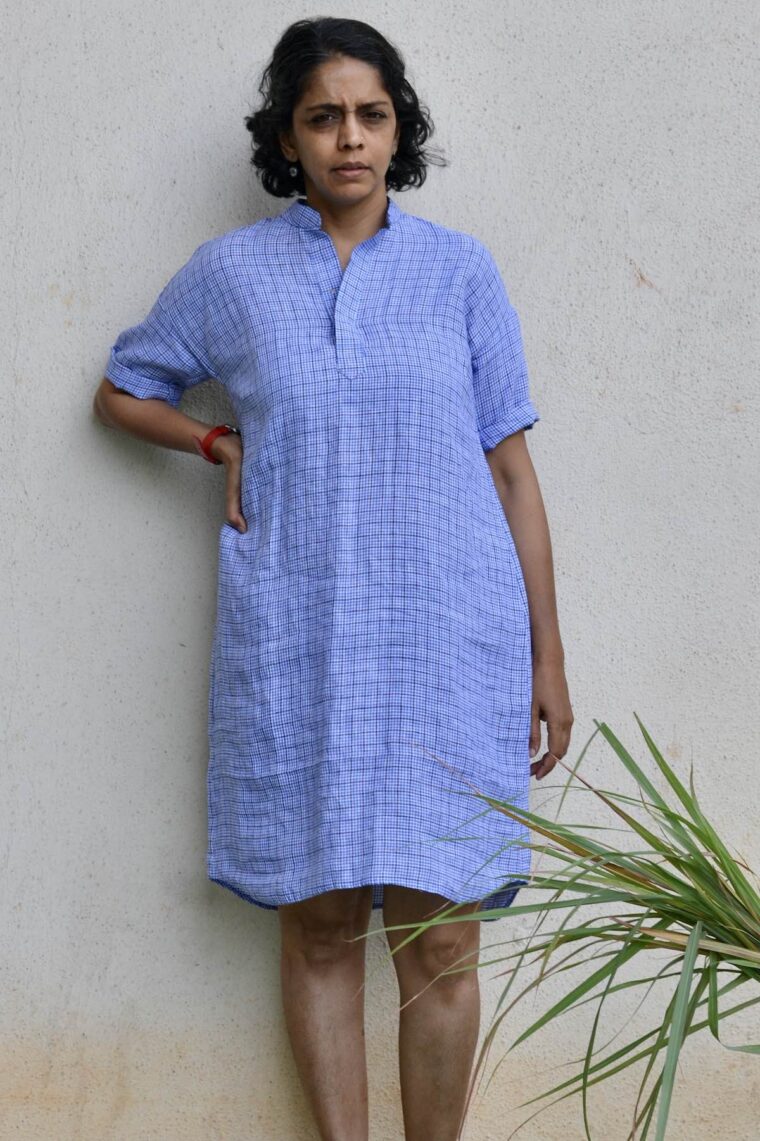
(499, 371)
(165, 354)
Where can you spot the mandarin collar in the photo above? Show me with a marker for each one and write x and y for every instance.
(300, 213)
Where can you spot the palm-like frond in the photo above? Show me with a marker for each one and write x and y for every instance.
(677, 889)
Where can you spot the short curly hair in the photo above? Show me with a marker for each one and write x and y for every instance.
(304, 46)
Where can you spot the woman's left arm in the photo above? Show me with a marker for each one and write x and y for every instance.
(517, 485)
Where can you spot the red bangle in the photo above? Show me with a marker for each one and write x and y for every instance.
(203, 445)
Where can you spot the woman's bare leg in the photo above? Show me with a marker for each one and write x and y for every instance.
(322, 977)
(438, 1030)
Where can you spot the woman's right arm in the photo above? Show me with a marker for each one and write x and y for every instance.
(160, 423)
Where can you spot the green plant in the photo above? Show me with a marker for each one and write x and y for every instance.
(678, 889)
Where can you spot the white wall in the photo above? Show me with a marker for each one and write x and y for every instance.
(608, 154)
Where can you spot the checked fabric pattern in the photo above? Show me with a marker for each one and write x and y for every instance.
(371, 662)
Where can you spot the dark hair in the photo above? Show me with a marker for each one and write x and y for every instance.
(304, 46)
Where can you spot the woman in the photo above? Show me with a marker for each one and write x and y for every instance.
(386, 637)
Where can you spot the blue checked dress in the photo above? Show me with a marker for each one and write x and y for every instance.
(371, 662)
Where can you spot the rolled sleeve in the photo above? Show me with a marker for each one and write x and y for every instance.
(165, 354)
(501, 386)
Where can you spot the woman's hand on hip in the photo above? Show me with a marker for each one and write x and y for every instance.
(229, 449)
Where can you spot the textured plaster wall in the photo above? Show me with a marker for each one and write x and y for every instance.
(608, 154)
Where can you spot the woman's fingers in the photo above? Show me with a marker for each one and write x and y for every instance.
(534, 740)
(558, 734)
(550, 703)
(233, 510)
(544, 766)
(229, 450)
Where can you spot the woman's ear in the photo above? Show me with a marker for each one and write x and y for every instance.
(286, 146)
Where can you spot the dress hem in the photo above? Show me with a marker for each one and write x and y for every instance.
(511, 888)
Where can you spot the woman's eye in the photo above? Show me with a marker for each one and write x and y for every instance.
(370, 114)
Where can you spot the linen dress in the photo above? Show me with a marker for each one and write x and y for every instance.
(371, 660)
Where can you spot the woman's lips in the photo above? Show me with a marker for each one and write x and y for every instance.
(352, 173)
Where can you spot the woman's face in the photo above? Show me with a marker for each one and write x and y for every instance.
(345, 115)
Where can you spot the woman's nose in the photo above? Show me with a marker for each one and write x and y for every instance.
(350, 133)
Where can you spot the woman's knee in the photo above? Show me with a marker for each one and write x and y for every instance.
(326, 926)
(440, 948)
(448, 952)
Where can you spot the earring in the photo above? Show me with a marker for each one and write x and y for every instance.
(293, 170)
